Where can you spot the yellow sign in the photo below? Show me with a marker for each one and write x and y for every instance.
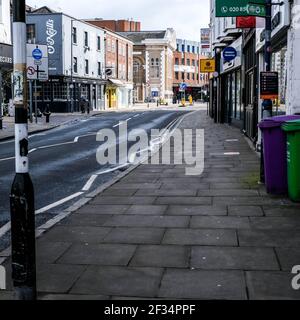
(207, 65)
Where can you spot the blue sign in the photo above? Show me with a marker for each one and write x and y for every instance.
(229, 54)
(37, 54)
(183, 86)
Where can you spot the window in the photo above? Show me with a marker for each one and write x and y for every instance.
(176, 61)
(86, 67)
(182, 76)
(188, 62)
(193, 49)
(193, 63)
(183, 48)
(99, 69)
(98, 43)
(75, 64)
(154, 69)
(74, 35)
(31, 33)
(176, 75)
(157, 61)
(193, 76)
(183, 61)
(188, 76)
(86, 39)
(60, 91)
(188, 48)
(177, 47)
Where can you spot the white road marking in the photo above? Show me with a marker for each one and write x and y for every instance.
(56, 145)
(6, 159)
(118, 124)
(232, 140)
(5, 229)
(128, 119)
(85, 135)
(37, 135)
(58, 203)
(231, 153)
(137, 115)
(90, 182)
(32, 150)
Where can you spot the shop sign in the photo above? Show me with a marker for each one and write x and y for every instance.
(229, 54)
(207, 65)
(6, 56)
(239, 8)
(269, 85)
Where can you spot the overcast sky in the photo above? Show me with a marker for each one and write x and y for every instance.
(185, 16)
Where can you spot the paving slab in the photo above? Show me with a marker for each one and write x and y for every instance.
(146, 210)
(71, 297)
(216, 222)
(288, 258)
(207, 285)
(117, 281)
(189, 210)
(50, 252)
(76, 234)
(139, 221)
(122, 200)
(88, 220)
(223, 258)
(245, 211)
(269, 238)
(167, 193)
(271, 286)
(98, 254)
(103, 209)
(282, 211)
(209, 237)
(135, 236)
(161, 257)
(276, 223)
(184, 200)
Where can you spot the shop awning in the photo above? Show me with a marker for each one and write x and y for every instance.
(116, 82)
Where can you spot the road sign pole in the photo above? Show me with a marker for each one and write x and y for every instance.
(30, 101)
(267, 105)
(35, 102)
(22, 193)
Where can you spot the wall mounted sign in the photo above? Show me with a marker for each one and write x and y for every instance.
(229, 54)
(239, 8)
(207, 65)
(269, 85)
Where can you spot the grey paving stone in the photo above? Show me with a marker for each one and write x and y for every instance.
(76, 234)
(271, 286)
(116, 281)
(139, 221)
(220, 223)
(221, 180)
(147, 210)
(244, 201)
(88, 220)
(184, 200)
(98, 254)
(204, 285)
(269, 238)
(180, 181)
(49, 252)
(57, 278)
(122, 185)
(273, 223)
(121, 192)
(282, 211)
(288, 258)
(209, 237)
(135, 236)
(245, 211)
(71, 297)
(103, 209)
(227, 193)
(6, 295)
(123, 200)
(193, 186)
(197, 210)
(167, 193)
(161, 256)
(237, 186)
(223, 258)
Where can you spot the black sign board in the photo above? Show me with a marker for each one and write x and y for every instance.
(269, 85)
(6, 56)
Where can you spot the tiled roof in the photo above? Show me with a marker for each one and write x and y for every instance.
(139, 36)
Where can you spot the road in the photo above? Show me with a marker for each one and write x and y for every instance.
(63, 161)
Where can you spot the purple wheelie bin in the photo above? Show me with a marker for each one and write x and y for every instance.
(275, 150)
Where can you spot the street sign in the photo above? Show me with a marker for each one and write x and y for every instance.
(239, 8)
(37, 54)
(269, 85)
(246, 22)
(207, 65)
(183, 86)
(229, 54)
(37, 62)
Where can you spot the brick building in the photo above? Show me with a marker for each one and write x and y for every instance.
(117, 25)
(187, 70)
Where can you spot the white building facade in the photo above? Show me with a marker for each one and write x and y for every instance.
(76, 60)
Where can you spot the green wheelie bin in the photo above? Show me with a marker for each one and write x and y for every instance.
(292, 128)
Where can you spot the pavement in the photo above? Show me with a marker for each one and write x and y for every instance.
(159, 234)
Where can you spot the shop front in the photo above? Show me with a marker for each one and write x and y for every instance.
(231, 88)
(118, 94)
